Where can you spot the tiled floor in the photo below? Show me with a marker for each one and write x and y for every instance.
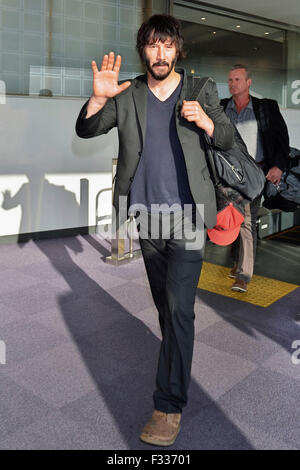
(82, 341)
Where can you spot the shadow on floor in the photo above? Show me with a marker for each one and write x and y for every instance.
(121, 356)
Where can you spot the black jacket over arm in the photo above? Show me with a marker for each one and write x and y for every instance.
(128, 111)
(273, 129)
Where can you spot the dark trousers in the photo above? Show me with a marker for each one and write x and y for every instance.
(173, 272)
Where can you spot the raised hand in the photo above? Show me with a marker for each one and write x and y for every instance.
(105, 82)
(6, 198)
(6, 195)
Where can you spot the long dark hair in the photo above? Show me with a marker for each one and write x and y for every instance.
(160, 28)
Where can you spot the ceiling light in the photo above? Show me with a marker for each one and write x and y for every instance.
(214, 32)
(238, 26)
(203, 18)
(267, 33)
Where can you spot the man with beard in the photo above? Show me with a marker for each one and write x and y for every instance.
(162, 167)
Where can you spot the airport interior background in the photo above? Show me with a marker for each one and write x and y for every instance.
(68, 293)
(45, 77)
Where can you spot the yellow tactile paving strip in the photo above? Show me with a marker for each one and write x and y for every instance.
(262, 291)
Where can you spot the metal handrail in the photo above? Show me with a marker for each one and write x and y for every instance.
(118, 254)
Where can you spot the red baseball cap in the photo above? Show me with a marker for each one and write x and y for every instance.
(228, 226)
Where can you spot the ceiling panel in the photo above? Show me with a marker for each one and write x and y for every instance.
(287, 11)
(228, 23)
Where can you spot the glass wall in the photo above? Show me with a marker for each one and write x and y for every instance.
(215, 42)
(293, 70)
(46, 46)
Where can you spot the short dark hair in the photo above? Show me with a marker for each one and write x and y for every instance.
(160, 28)
(242, 66)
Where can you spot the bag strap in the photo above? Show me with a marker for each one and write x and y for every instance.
(193, 96)
(211, 162)
(194, 91)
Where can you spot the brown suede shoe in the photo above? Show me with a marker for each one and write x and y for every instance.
(232, 272)
(162, 429)
(240, 286)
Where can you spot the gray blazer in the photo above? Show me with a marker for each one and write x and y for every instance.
(128, 111)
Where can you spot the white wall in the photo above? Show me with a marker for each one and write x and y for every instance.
(46, 167)
(292, 119)
(42, 164)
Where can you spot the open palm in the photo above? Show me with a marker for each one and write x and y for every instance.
(105, 81)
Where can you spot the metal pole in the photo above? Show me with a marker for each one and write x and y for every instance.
(147, 9)
(118, 255)
(50, 9)
(131, 221)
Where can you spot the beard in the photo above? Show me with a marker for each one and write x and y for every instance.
(160, 75)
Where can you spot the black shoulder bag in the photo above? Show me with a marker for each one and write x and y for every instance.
(234, 167)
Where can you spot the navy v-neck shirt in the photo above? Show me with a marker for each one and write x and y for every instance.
(161, 176)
